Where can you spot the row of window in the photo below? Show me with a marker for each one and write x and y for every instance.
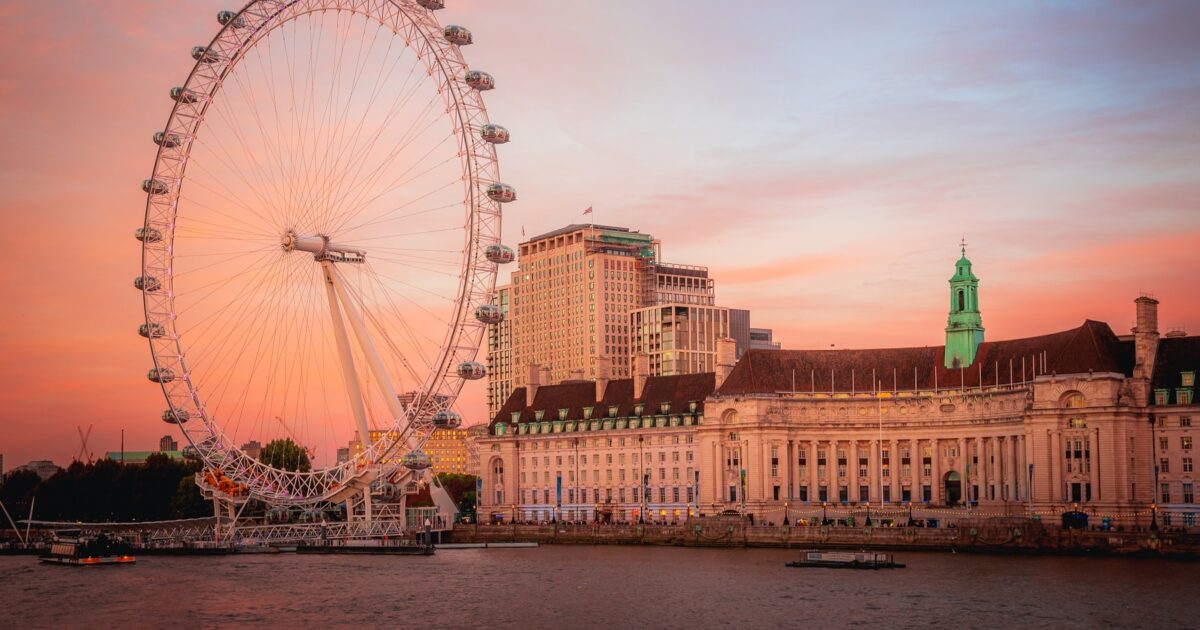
(674, 495)
(1164, 464)
(608, 458)
(662, 475)
(1185, 442)
(1186, 494)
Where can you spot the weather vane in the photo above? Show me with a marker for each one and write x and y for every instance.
(963, 245)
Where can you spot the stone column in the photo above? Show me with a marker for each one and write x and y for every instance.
(1094, 460)
(1056, 477)
(1012, 467)
(875, 468)
(935, 482)
(962, 469)
(852, 480)
(814, 484)
(981, 444)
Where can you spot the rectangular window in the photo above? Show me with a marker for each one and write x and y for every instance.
(1185, 421)
(1162, 396)
(1188, 495)
(843, 494)
(1187, 464)
(804, 493)
(621, 495)
(1186, 442)
(675, 494)
(863, 494)
(1166, 493)
(691, 496)
(887, 494)
(1163, 443)
(1183, 396)
(1164, 465)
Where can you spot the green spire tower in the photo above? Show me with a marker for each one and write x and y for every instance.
(964, 328)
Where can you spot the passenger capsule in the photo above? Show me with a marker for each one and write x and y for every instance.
(230, 19)
(499, 254)
(155, 186)
(167, 140)
(489, 314)
(472, 370)
(432, 5)
(502, 193)
(147, 283)
(161, 375)
(416, 460)
(175, 416)
(190, 452)
(204, 55)
(480, 80)
(457, 35)
(494, 134)
(447, 420)
(151, 330)
(180, 95)
(147, 235)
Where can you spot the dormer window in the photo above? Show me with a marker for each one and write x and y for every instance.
(1188, 379)
(562, 414)
(664, 408)
(692, 406)
(516, 417)
(637, 409)
(1183, 397)
(1162, 396)
(539, 414)
(612, 411)
(587, 413)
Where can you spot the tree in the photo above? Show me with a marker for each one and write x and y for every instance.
(18, 488)
(188, 502)
(285, 454)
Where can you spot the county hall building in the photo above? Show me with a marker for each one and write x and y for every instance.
(1076, 419)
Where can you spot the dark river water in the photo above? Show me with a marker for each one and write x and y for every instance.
(600, 587)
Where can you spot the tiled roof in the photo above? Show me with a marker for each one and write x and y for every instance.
(573, 396)
(1175, 356)
(1090, 347)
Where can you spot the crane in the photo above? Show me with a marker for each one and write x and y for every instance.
(83, 453)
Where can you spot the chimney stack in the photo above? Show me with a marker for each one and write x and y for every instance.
(726, 359)
(534, 381)
(641, 373)
(603, 373)
(545, 379)
(1145, 346)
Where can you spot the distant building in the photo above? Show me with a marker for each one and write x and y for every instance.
(138, 458)
(43, 467)
(678, 338)
(500, 351)
(739, 329)
(252, 448)
(343, 454)
(762, 339)
(168, 443)
(448, 450)
(474, 434)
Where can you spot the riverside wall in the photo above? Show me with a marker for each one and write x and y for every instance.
(1012, 536)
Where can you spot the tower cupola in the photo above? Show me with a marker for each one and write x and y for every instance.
(964, 327)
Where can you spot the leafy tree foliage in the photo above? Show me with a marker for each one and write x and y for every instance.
(106, 491)
(285, 454)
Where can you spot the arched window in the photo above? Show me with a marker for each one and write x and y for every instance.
(962, 303)
(1073, 400)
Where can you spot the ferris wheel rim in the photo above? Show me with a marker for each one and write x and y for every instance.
(445, 65)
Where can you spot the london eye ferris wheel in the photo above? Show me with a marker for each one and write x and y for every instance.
(326, 266)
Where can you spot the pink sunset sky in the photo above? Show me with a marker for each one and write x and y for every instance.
(822, 159)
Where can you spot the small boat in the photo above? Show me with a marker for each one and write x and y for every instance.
(846, 560)
(73, 549)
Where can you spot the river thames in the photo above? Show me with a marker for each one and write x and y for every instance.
(584, 587)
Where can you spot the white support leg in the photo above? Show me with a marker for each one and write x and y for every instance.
(349, 375)
(382, 378)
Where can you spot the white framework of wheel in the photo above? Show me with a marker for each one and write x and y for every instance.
(415, 27)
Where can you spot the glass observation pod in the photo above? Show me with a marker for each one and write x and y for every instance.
(230, 19)
(151, 330)
(494, 134)
(472, 370)
(457, 35)
(204, 55)
(499, 254)
(161, 375)
(175, 416)
(489, 314)
(155, 186)
(432, 5)
(167, 140)
(180, 95)
(190, 452)
(480, 80)
(447, 420)
(147, 235)
(502, 193)
(146, 283)
(416, 460)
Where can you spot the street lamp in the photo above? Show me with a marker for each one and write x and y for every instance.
(1153, 517)
(910, 518)
(785, 513)
(824, 519)
(868, 504)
